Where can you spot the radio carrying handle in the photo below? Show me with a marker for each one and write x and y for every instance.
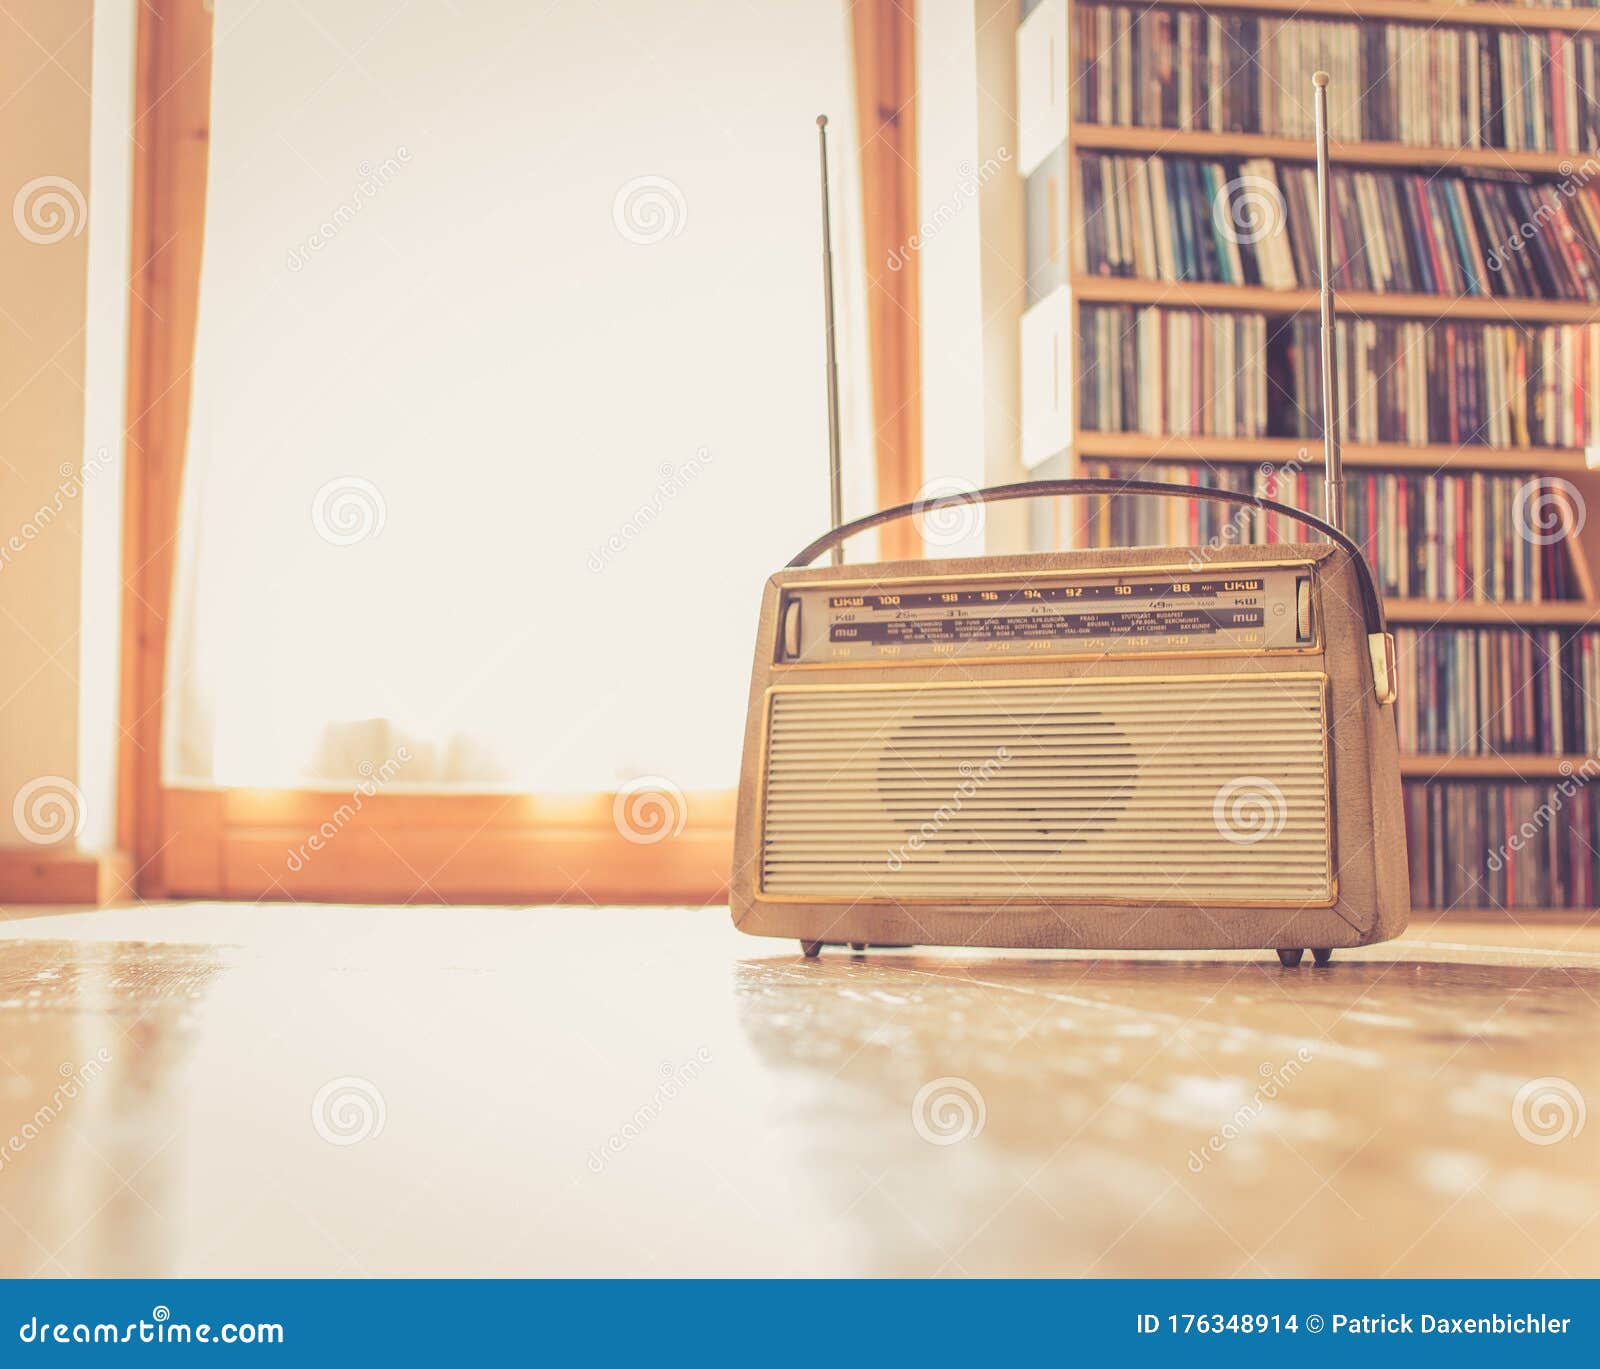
(1380, 644)
(1371, 603)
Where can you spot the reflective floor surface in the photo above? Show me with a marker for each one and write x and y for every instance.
(207, 1089)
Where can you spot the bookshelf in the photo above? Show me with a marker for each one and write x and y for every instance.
(1385, 455)
(1550, 613)
(1258, 299)
(1205, 143)
(1050, 138)
(1490, 767)
(1435, 12)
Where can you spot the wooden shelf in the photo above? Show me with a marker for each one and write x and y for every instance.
(1466, 613)
(1058, 326)
(1282, 450)
(1431, 12)
(1575, 915)
(1259, 299)
(1491, 767)
(1204, 143)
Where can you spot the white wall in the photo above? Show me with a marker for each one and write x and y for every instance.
(970, 207)
(65, 158)
(947, 161)
(105, 365)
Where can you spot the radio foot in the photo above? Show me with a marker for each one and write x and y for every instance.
(1289, 957)
(812, 949)
(1322, 957)
(858, 945)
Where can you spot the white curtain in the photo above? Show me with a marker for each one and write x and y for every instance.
(508, 387)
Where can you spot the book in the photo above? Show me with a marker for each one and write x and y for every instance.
(1432, 86)
(1253, 221)
(1451, 535)
(1504, 845)
(1432, 229)
(1448, 382)
(1498, 691)
(1177, 372)
(1455, 383)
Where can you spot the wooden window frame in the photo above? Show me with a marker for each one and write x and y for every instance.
(453, 848)
(884, 48)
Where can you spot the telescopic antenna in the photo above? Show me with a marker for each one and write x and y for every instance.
(1332, 459)
(835, 473)
(1380, 645)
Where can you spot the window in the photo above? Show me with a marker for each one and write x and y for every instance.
(508, 390)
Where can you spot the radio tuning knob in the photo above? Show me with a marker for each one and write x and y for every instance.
(791, 630)
(1302, 609)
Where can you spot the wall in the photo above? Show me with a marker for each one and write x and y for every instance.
(65, 158)
(970, 245)
(105, 366)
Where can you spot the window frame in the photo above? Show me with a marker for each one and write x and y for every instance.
(232, 843)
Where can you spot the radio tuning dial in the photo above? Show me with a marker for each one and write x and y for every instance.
(791, 630)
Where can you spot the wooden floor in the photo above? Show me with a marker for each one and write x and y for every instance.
(216, 1090)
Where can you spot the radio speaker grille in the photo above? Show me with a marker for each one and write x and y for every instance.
(1210, 790)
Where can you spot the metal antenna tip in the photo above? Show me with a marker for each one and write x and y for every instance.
(822, 121)
(1319, 79)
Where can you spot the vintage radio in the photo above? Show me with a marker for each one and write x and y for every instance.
(1147, 747)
